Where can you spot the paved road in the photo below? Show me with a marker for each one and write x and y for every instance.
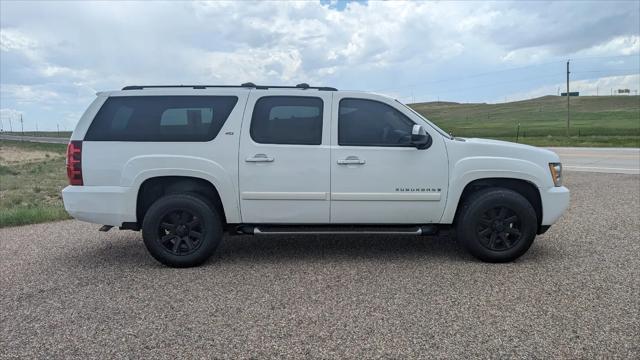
(43, 139)
(605, 160)
(68, 290)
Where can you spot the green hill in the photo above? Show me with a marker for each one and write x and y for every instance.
(595, 120)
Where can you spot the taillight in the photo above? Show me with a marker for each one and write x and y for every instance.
(74, 162)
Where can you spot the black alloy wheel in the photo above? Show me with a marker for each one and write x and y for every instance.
(180, 232)
(496, 224)
(499, 229)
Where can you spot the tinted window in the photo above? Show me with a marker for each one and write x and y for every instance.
(183, 116)
(371, 123)
(287, 120)
(161, 118)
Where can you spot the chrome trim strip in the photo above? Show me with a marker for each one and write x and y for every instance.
(265, 195)
(412, 196)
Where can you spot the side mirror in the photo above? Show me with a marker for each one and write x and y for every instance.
(420, 138)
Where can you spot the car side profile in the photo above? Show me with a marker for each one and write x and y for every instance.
(186, 164)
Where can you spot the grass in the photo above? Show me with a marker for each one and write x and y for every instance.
(60, 134)
(583, 141)
(595, 120)
(30, 185)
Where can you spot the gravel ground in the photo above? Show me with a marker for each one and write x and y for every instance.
(68, 290)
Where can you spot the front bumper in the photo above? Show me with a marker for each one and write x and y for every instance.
(105, 205)
(555, 201)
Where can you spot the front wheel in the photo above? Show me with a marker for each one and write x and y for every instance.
(497, 225)
(181, 230)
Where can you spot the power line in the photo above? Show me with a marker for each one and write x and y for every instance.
(457, 89)
(500, 71)
(412, 86)
(497, 83)
(466, 76)
(604, 71)
(605, 56)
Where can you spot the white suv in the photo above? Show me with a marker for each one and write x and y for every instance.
(184, 164)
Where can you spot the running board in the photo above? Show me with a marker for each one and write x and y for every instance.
(105, 228)
(416, 230)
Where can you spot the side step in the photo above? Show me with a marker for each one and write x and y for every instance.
(415, 230)
(105, 228)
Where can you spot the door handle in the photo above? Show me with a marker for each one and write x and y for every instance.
(351, 160)
(259, 158)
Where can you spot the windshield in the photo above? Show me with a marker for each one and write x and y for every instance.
(444, 133)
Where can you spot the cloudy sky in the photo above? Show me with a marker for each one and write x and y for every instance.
(56, 55)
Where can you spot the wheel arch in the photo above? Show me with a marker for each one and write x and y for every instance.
(523, 187)
(153, 188)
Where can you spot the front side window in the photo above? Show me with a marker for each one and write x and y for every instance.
(287, 120)
(363, 122)
(161, 118)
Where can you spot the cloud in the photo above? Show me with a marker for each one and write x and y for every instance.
(25, 94)
(13, 40)
(562, 27)
(59, 53)
(10, 114)
(624, 45)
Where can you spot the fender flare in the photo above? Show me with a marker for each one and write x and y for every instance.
(471, 169)
(136, 171)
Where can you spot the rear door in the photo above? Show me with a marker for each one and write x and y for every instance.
(284, 157)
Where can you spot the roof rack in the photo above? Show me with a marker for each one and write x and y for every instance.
(302, 86)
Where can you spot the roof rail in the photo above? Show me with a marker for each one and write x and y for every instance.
(302, 86)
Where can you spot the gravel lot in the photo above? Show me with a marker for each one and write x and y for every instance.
(68, 290)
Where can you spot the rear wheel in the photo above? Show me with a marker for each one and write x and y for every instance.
(497, 225)
(181, 230)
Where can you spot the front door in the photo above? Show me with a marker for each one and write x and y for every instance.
(377, 176)
(284, 157)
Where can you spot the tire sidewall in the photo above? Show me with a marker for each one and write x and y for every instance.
(483, 201)
(211, 229)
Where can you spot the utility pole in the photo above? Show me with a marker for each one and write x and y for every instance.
(568, 97)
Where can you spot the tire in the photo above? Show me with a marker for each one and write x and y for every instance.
(496, 225)
(181, 230)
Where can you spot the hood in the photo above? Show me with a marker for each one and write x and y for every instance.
(498, 148)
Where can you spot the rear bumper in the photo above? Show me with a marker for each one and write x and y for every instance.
(554, 203)
(106, 205)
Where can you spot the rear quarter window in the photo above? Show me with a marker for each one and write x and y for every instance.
(161, 118)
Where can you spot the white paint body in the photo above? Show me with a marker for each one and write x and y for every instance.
(304, 184)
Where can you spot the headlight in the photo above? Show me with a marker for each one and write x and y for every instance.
(556, 173)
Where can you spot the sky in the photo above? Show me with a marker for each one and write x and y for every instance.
(54, 56)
